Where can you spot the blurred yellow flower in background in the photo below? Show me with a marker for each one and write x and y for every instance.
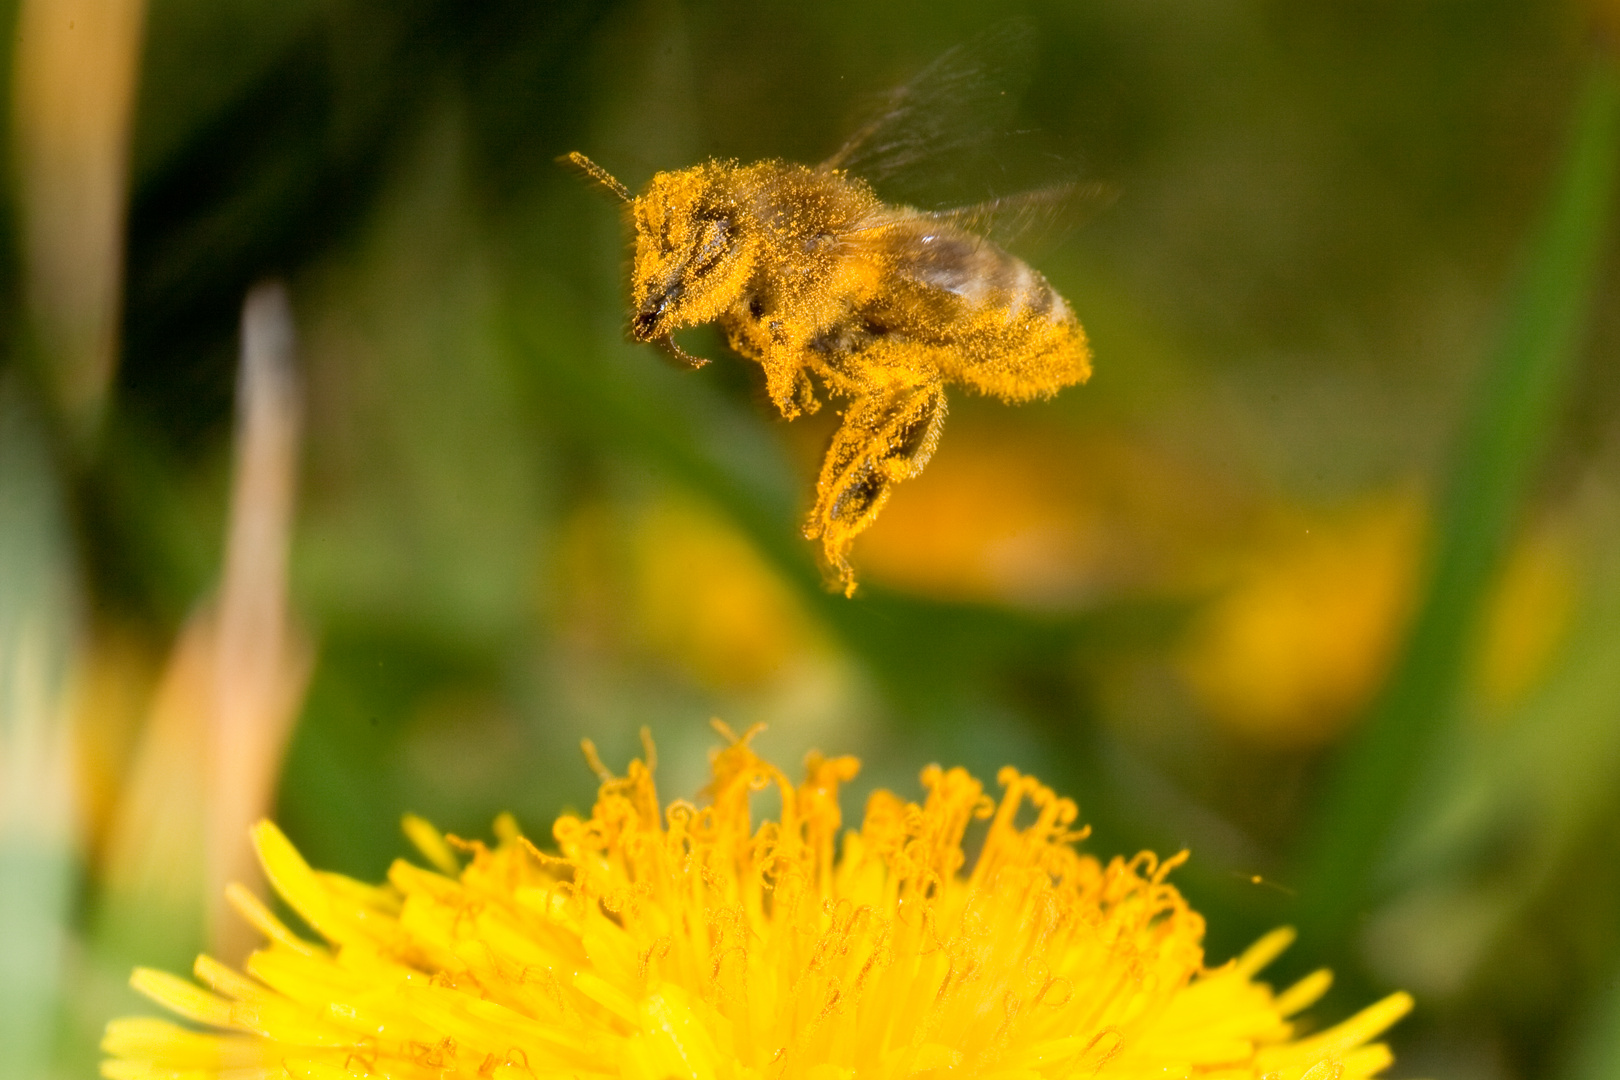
(686, 942)
(1306, 607)
(1530, 611)
(1048, 520)
(1294, 649)
(679, 582)
(708, 600)
(1301, 639)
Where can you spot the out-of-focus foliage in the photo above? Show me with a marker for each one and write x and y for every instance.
(1352, 312)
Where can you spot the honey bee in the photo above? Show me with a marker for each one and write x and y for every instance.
(812, 276)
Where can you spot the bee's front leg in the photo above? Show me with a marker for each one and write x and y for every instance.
(887, 435)
(788, 385)
(786, 380)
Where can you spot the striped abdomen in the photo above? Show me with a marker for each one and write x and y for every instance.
(972, 269)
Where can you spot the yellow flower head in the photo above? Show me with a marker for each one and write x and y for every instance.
(690, 944)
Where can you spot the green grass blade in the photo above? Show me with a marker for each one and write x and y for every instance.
(1522, 385)
(1595, 1054)
(37, 635)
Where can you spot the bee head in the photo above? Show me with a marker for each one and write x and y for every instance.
(695, 251)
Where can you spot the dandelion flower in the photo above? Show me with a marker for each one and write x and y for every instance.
(689, 943)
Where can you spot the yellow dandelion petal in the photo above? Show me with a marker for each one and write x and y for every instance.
(688, 942)
(1305, 993)
(256, 915)
(431, 843)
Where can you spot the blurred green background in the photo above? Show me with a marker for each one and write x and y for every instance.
(1316, 577)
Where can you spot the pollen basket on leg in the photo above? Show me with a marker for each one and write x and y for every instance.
(886, 436)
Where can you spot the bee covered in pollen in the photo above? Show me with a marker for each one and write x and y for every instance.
(815, 278)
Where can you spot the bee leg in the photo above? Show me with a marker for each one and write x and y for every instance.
(887, 436)
(786, 381)
(788, 385)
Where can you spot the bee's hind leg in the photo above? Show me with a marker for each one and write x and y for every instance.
(887, 435)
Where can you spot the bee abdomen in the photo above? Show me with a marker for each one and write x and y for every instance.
(1029, 292)
(981, 274)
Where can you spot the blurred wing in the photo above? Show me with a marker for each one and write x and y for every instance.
(953, 107)
(1046, 213)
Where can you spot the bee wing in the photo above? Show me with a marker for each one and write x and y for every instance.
(955, 105)
(1047, 212)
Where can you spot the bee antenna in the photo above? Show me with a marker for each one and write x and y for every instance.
(596, 172)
